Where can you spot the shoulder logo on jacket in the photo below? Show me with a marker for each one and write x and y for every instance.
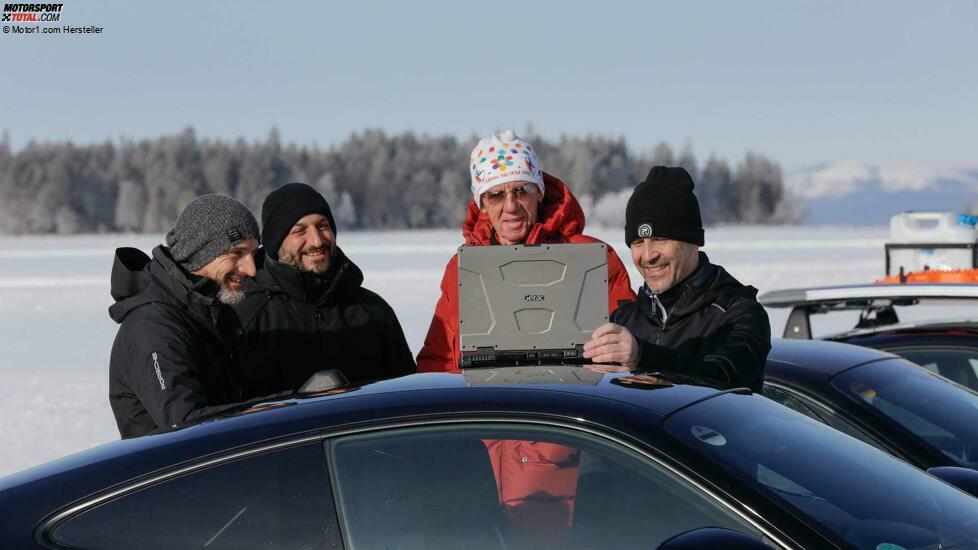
(159, 375)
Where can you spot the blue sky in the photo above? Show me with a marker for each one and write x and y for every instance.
(802, 82)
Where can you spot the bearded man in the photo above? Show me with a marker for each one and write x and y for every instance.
(174, 358)
(306, 310)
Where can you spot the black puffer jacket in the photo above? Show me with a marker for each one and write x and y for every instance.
(173, 358)
(296, 323)
(713, 328)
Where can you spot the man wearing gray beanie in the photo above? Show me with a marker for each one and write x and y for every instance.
(174, 358)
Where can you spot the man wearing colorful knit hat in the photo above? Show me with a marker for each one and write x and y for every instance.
(515, 202)
(691, 316)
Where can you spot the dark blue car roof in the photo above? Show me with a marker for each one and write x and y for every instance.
(820, 356)
(429, 395)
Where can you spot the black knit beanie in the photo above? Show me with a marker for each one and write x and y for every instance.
(664, 206)
(285, 206)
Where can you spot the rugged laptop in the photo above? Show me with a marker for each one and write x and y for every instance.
(530, 304)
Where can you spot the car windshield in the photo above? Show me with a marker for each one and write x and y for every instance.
(847, 488)
(941, 414)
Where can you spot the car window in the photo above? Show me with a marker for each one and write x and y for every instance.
(277, 499)
(956, 364)
(940, 414)
(783, 397)
(862, 496)
(510, 487)
(803, 405)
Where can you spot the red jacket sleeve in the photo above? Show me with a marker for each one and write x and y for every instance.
(619, 285)
(440, 350)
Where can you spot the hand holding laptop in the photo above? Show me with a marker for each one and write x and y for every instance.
(611, 343)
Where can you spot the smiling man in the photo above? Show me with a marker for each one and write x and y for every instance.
(174, 356)
(691, 316)
(306, 310)
(513, 202)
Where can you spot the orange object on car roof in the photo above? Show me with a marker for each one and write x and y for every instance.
(933, 276)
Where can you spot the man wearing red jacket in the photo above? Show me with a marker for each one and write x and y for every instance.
(515, 202)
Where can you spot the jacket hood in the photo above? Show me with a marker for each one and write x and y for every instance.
(138, 280)
(130, 273)
(274, 276)
(130, 280)
(559, 218)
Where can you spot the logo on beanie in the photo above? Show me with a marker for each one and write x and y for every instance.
(234, 235)
(502, 160)
(645, 230)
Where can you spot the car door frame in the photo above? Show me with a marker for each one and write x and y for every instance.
(676, 468)
(46, 527)
(794, 533)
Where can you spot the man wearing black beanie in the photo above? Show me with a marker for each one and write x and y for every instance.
(691, 317)
(306, 310)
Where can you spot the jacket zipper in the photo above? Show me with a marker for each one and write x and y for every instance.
(665, 318)
(665, 315)
(659, 335)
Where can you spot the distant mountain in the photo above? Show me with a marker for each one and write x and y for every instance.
(863, 193)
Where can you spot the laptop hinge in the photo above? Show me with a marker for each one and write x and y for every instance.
(481, 357)
(491, 357)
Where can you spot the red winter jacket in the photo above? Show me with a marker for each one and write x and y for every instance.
(537, 481)
(560, 220)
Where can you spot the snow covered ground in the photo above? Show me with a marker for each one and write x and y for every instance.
(55, 333)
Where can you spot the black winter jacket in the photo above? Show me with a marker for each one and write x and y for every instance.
(173, 358)
(713, 328)
(297, 323)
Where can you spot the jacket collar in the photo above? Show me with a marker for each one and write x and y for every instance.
(195, 293)
(277, 277)
(559, 218)
(701, 277)
(701, 288)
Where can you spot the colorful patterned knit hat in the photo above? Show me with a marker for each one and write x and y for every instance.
(502, 158)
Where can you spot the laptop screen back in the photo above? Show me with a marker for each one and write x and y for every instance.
(527, 298)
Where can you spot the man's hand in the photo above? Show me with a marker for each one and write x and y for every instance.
(611, 343)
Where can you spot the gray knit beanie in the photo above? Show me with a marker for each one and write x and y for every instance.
(207, 228)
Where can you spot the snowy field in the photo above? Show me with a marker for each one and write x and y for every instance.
(55, 332)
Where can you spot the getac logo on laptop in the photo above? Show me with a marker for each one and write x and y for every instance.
(533, 297)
